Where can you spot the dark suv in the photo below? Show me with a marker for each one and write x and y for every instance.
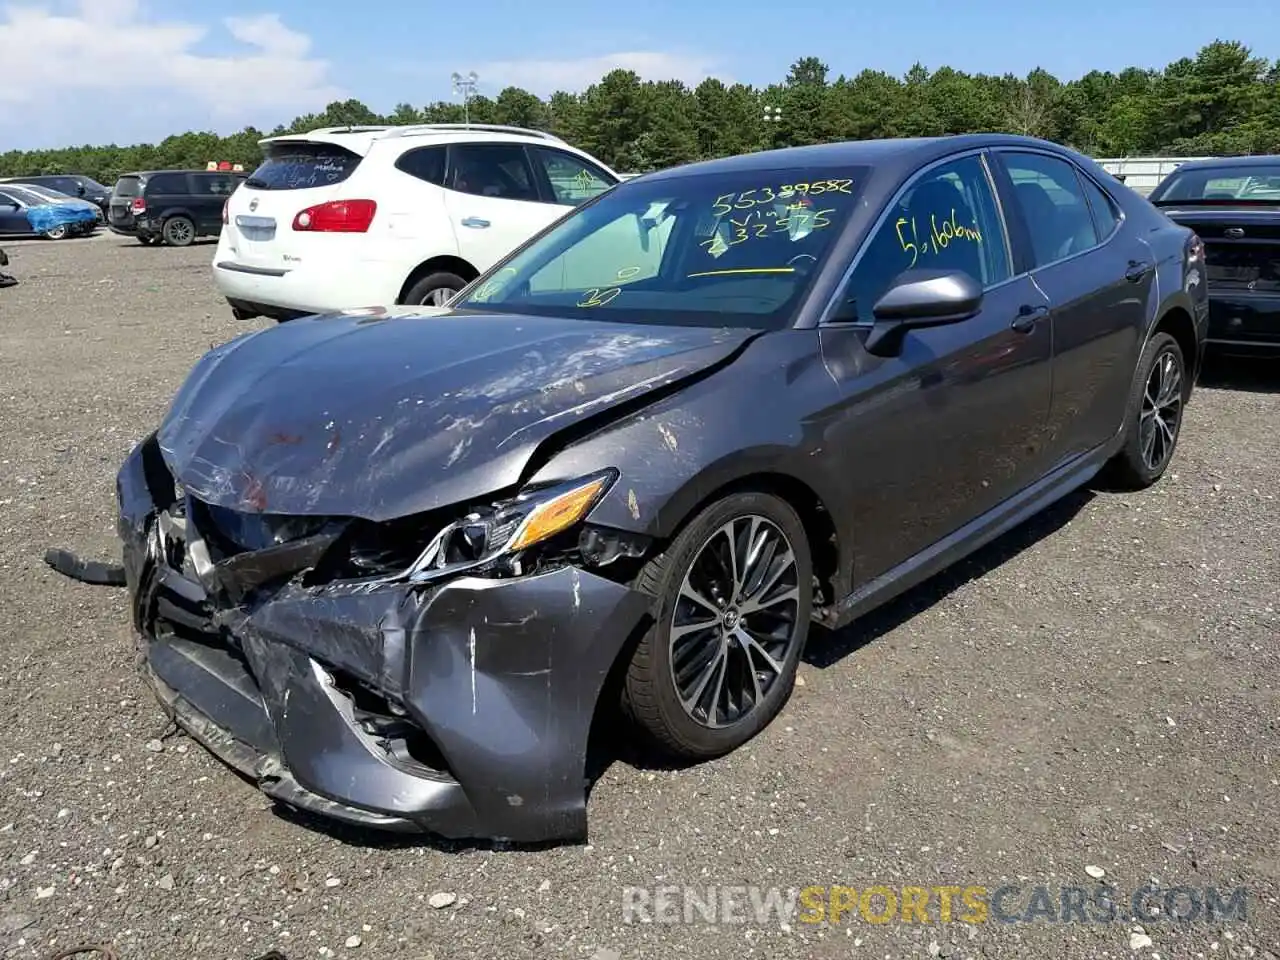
(171, 206)
(73, 185)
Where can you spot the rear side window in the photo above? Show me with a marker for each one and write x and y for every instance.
(1105, 214)
(168, 184)
(214, 185)
(425, 163)
(302, 166)
(499, 170)
(1053, 205)
(128, 187)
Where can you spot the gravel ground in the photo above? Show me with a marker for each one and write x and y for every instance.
(1097, 690)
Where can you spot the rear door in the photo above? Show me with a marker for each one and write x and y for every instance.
(297, 174)
(493, 200)
(1099, 277)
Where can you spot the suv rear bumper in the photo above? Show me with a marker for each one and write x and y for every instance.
(1244, 322)
(320, 287)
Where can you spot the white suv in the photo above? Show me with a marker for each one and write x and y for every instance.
(350, 217)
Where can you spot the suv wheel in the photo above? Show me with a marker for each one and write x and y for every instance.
(435, 289)
(178, 231)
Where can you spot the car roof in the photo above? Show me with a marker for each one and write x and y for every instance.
(152, 173)
(907, 151)
(1209, 163)
(360, 139)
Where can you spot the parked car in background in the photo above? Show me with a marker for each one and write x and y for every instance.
(358, 216)
(173, 207)
(53, 196)
(24, 212)
(73, 185)
(1233, 204)
(385, 561)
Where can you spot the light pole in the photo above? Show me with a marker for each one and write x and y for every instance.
(465, 86)
(772, 115)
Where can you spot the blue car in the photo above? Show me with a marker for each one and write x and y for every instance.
(25, 211)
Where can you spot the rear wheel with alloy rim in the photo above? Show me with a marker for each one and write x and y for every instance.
(178, 232)
(1154, 415)
(435, 289)
(733, 596)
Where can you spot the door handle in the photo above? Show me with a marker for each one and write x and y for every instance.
(1137, 270)
(475, 222)
(1028, 316)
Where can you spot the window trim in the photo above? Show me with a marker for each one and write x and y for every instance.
(13, 199)
(451, 162)
(1001, 152)
(837, 295)
(1119, 210)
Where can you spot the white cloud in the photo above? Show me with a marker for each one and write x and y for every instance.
(544, 77)
(67, 73)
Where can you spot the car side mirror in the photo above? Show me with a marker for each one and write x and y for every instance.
(921, 298)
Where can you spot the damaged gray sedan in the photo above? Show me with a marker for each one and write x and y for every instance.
(388, 563)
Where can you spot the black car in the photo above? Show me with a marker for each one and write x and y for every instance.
(171, 206)
(393, 563)
(73, 185)
(1233, 204)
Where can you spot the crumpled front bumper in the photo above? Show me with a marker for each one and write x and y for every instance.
(499, 679)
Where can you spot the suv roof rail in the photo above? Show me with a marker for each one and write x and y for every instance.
(416, 128)
(353, 128)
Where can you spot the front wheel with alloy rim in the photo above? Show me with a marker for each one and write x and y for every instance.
(1153, 418)
(733, 594)
(56, 233)
(434, 290)
(178, 232)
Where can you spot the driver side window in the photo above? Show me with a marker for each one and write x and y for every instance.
(948, 219)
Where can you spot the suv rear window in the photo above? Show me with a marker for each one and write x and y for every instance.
(128, 187)
(300, 166)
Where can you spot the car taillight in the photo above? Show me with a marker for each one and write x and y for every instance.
(337, 216)
(139, 205)
(1195, 249)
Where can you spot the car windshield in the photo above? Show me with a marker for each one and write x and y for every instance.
(1239, 183)
(708, 249)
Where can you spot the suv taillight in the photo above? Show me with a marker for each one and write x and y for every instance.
(139, 205)
(336, 216)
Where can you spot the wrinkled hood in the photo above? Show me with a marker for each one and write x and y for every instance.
(395, 413)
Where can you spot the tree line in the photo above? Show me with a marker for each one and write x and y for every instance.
(1223, 101)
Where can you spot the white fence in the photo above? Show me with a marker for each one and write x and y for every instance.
(1143, 173)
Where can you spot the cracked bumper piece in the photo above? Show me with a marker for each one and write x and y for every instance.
(462, 710)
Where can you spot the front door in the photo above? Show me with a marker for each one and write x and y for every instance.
(493, 201)
(13, 216)
(953, 423)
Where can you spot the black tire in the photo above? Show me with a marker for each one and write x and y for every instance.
(60, 232)
(178, 231)
(425, 290)
(651, 696)
(1149, 446)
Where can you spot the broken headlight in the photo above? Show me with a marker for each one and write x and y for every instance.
(505, 530)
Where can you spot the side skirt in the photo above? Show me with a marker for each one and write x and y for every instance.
(972, 536)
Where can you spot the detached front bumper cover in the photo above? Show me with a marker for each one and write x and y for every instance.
(461, 708)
